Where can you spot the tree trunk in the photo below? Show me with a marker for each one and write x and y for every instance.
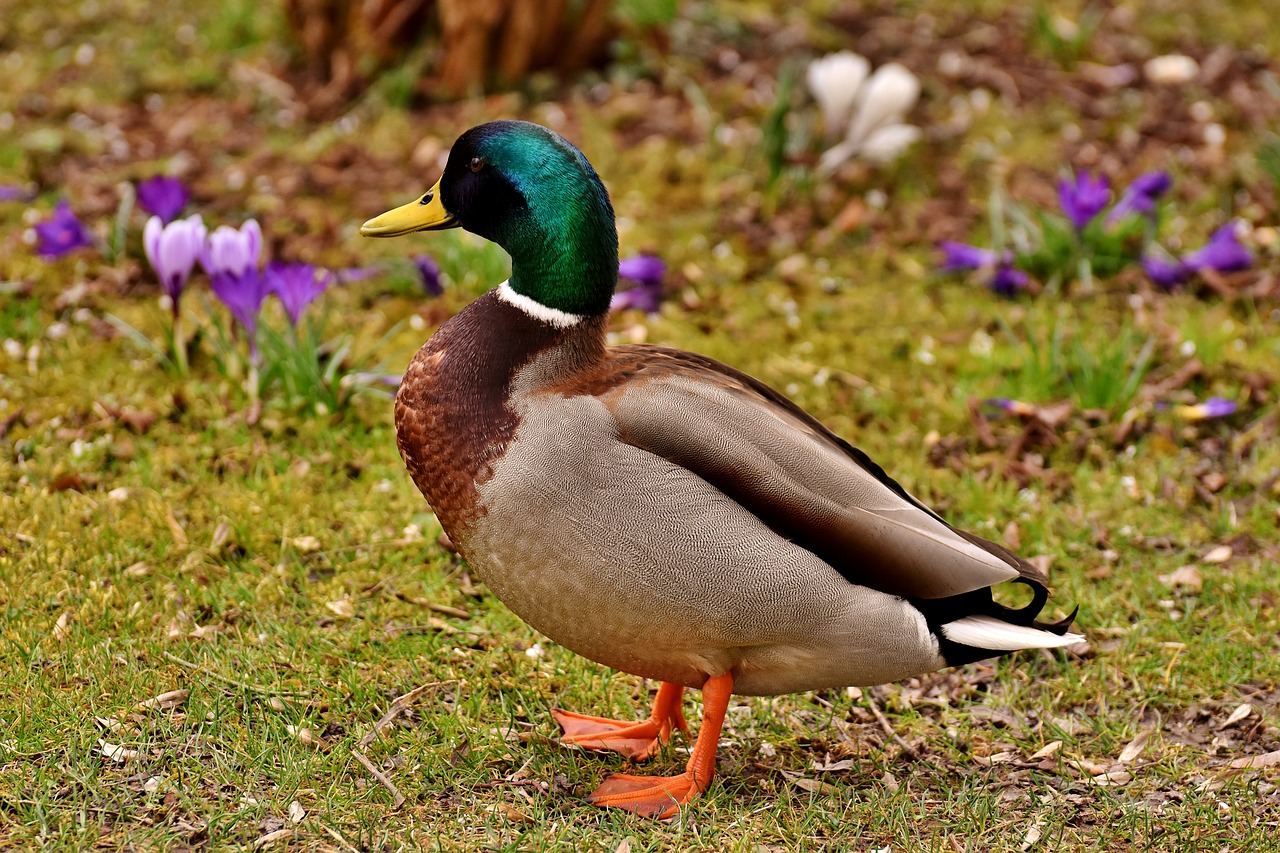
(346, 43)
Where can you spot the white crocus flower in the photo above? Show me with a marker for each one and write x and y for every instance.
(875, 110)
(834, 81)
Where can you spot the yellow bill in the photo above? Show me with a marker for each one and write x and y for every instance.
(425, 214)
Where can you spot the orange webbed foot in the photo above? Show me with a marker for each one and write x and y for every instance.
(662, 796)
(635, 740)
(653, 796)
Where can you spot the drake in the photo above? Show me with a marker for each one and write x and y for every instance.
(654, 510)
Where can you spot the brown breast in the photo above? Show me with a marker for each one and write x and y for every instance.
(452, 412)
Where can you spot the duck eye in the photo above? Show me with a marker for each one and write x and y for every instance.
(476, 164)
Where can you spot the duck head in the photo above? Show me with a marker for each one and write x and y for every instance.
(533, 193)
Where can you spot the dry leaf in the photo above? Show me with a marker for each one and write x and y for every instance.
(165, 701)
(1237, 715)
(1184, 577)
(1033, 834)
(1111, 777)
(813, 786)
(342, 608)
(221, 536)
(304, 544)
(1253, 762)
(624, 846)
(1042, 562)
(1219, 554)
(1135, 747)
(115, 752)
(137, 570)
(137, 421)
(272, 838)
(304, 736)
(296, 812)
(179, 535)
(1045, 751)
(510, 812)
(151, 785)
(60, 628)
(109, 724)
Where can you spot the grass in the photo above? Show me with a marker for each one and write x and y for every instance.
(284, 571)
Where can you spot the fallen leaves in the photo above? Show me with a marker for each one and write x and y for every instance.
(1218, 554)
(305, 736)
(116, 752)
(809, 784)
(1256, 762)
(1134, 748)
(1184, 578)
(1045, 751)
(1241, 712)
(165, 701)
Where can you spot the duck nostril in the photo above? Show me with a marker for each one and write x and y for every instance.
(426, 199)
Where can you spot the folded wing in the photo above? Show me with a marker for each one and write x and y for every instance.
(798, 477)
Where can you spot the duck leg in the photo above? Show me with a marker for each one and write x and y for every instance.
(635, 740)
(662, 796)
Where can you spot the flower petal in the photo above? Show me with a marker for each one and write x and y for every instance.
(834, 81)
(885, 99)
(1224, 252)
(962, 256)
(886, 143)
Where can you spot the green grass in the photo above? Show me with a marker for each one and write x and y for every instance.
(280, 566)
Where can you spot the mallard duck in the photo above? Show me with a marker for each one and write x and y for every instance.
(655, 510)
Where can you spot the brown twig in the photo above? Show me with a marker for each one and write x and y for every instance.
(377, 774)
(397, 707)
(888, 728)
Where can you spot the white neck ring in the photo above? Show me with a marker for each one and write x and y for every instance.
(536, 310)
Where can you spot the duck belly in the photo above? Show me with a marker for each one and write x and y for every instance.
(641, 565)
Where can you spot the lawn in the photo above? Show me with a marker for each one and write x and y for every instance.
(215, 578)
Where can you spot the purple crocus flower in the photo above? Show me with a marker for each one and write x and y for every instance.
(1140, 196)
(230, 251)
(352, 274)
(647, 272)
(243, 294)
(1013, 407)
(1223, 252)
(1007, 280)
(1167, 275)
(9, 192)
(61, 233)
(162, 196)
(1214, 407)
(172, 250)
(959, 257)
(1083, 198)
(428, 274)
(296, 285)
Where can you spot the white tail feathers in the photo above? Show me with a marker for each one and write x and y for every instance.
(987, 632)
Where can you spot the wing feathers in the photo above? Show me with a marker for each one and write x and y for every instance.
(801, 480)
(988, 632)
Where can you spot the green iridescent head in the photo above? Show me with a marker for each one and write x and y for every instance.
(534, 194)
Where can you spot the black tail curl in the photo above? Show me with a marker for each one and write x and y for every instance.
(939, 611)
